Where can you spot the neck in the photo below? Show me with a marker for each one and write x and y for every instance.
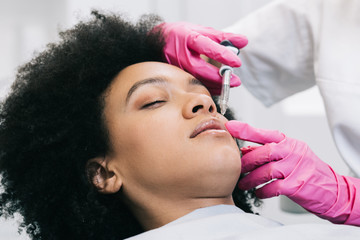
(157, 213)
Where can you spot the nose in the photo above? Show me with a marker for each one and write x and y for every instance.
(198, 104)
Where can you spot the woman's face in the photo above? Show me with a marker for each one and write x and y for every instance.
(167, 138)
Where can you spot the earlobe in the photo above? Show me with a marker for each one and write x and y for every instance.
(105, 181)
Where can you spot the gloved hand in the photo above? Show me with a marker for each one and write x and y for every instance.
(296, 173)
(184, 42)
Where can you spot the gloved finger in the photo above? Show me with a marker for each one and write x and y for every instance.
(247, 149)
(209, 74)
(246, 132)
(272, 189)
(215, 87)
(237, 40)
(205, 72)
(256, 157)
(204, 45)
(260, 176)
(267, 153)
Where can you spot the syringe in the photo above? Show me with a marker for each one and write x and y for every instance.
(226, 71)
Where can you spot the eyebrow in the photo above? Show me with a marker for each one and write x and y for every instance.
(155, 81)
(194, 81)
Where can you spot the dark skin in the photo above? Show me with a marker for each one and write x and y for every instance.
(149, 128)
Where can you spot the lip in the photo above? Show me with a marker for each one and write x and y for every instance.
(210, 124)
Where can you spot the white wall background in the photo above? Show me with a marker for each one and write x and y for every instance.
(27, 25)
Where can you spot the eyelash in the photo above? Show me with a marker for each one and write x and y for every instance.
(151, 104)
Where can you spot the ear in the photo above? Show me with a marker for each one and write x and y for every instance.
(106, 181)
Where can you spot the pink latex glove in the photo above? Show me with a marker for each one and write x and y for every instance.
(297, 173)
(184, 42)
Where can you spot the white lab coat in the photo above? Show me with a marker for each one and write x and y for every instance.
(295, 44)
(226, 222)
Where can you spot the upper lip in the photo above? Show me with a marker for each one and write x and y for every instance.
(207, 125)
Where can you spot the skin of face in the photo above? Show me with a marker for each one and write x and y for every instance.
(161, 169)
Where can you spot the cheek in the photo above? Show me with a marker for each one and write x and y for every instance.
(156, 132)
(154, 156)
(148, 141)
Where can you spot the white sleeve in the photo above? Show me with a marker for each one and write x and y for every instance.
(279, 59)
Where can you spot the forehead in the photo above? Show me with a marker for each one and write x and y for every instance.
(137, 72)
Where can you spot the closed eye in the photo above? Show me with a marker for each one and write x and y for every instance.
(153, 104)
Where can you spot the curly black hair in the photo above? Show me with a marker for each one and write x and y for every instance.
(51, 125)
